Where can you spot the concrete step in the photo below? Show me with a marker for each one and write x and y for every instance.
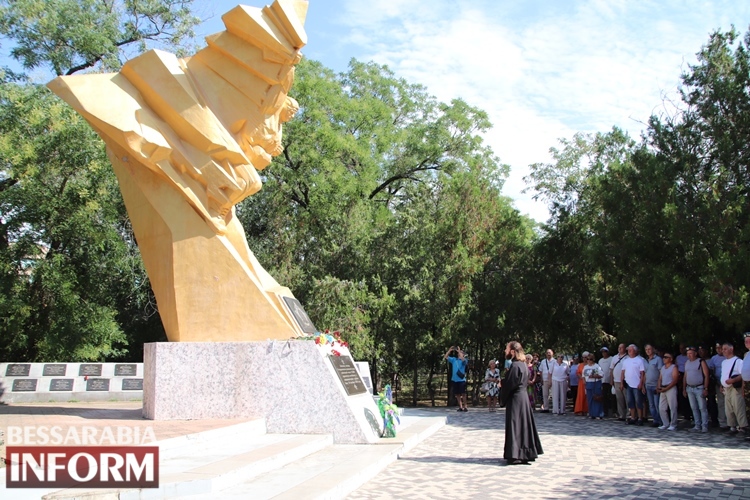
(212, 460)
(210, 470)
(337, 470)
(245, 431)
(240, 461)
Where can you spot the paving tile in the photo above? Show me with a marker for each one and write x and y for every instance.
(582, 458)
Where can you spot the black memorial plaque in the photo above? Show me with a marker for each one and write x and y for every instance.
(348, 374)
(54, 370)
(125, 370)
(18, 370)
(132, 384)
(61, 384)
(24, 385)
(91, 370)
(97, 384)
(303, 320)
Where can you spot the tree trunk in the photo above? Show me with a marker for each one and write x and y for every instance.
(415, 385)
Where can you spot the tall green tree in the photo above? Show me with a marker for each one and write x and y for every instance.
(72, 285)
(389, 201)
(659, 228)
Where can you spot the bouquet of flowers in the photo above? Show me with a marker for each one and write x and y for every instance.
(388, 411)
(331, 343)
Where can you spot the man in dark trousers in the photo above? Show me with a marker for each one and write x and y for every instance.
(459, 366)
(522, 443)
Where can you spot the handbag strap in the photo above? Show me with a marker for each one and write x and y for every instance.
(731, 369)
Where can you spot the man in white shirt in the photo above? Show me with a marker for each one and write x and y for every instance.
(545, 369)
(606, 363)
(634, 375)
(559, 375)
(734, 398)
(746, 361)
(616, 376)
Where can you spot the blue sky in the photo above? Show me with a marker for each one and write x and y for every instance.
(542, 69)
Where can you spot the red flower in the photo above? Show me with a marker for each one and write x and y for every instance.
(335, 352)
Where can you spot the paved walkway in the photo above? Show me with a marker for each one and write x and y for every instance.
(582, 458)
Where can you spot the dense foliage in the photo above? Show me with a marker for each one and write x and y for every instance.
(384, 213)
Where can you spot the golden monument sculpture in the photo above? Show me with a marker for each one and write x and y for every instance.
(186, 138)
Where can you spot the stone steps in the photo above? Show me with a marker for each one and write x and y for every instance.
(242, 461)
(337, 470)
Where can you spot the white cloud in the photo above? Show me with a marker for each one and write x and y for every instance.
(541, 73)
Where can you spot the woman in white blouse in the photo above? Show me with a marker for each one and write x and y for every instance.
(492, 379)
(592, 374)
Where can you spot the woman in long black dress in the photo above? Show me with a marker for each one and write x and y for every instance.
(522, 443)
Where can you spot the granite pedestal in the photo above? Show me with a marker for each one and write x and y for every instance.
(292, 384)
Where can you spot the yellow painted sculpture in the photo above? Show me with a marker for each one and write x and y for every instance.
(186, 138)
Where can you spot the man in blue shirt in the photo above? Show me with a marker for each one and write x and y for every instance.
(459, 365)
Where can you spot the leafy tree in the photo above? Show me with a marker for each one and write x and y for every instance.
(71, 279)
(388, 203)
(56, 235)
(659, 228)
(73, 35)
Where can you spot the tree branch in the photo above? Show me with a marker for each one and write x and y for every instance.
(406, 175)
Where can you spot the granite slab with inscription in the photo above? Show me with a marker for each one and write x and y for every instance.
(61, 385)
(300, 315)
(129, 370)
(348, 374)
(18, 370)
(90, 370)
(132, 384)
(97, 384)
(24, 385)
(54, 370)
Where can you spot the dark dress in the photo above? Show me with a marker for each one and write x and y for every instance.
(521, 439)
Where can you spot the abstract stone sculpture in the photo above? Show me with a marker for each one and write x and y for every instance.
(186, 138)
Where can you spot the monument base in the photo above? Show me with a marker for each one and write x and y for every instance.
(292, 384)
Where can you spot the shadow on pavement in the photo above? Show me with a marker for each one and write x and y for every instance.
(87, 413)
(575, 426)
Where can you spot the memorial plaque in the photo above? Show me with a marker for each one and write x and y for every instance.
(92, 370)
(303, 320)
(97, 384)
(18, 370)
(348, 374)
(126, 370)
(132, 384)
(61, 384)
(54, 370)
(24, 385)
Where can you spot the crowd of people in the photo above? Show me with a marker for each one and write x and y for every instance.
(633, 385)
